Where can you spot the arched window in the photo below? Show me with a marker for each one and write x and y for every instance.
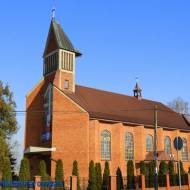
(129, 146)
(149, 143)
(167, 145)
(184, 151)
(105, 145)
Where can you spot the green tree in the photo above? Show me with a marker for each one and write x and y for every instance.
(8, 122)
(7, 175)
(92, 177)
(75, 172)
(171, 172)
(106, 176)
(59, 175)
(163, 168)
(4, 152)
(119, 179)
(24, 173)
(98, 173)
(44, 176)
(130, 175)
(142, 168)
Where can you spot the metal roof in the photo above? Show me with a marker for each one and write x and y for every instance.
(112, 106)
(62, 39)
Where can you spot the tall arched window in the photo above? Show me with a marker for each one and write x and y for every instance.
(167, 145)
(105, 145)
(129, 146)
(184, 151)
(149, 143)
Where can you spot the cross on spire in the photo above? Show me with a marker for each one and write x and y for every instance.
(137, 79)
(53, 12)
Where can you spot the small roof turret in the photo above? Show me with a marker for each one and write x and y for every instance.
(137, 91)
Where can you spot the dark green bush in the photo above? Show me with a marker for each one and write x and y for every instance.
(130, 175)
(98, 173)
(43, 173)
(106, 176)
(92, 177)
(24, 173)
(172, 173)
(150, 177)
(6, 172)
(163, 169)
(142, 168)
(76, 173)
(119, 179)
(59, 175)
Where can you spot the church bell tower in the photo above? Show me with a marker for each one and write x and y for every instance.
(59, 58)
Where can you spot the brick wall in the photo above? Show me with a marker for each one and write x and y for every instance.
(70, 134)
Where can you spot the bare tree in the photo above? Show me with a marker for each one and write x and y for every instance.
(179, 105)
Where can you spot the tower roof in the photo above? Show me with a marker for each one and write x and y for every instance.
(62, 40)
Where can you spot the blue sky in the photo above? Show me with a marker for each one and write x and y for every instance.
(119, 40)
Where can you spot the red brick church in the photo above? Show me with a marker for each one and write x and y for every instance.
(71, 122)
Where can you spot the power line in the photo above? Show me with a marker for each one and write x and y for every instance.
(71, 112)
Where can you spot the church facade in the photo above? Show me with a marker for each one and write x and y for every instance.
(71, 122)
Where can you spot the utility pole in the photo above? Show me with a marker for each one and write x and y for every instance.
(155, 147)
(178, 164)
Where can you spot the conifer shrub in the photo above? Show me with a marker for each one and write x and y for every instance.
(181, 168)
(106, 176)
(6, 172)
(24, 172)
(163, 168)
(92, 177)
(142, 168)
(152, 165)
(98, 173)
(120, 185)
(59, 179)
(130, 175)
(75, 172)
(44, 176)
(184, 177)
(172, 173)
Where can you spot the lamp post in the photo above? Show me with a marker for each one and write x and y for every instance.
(178, 163)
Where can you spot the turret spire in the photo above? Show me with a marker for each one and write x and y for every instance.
(137, 90)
